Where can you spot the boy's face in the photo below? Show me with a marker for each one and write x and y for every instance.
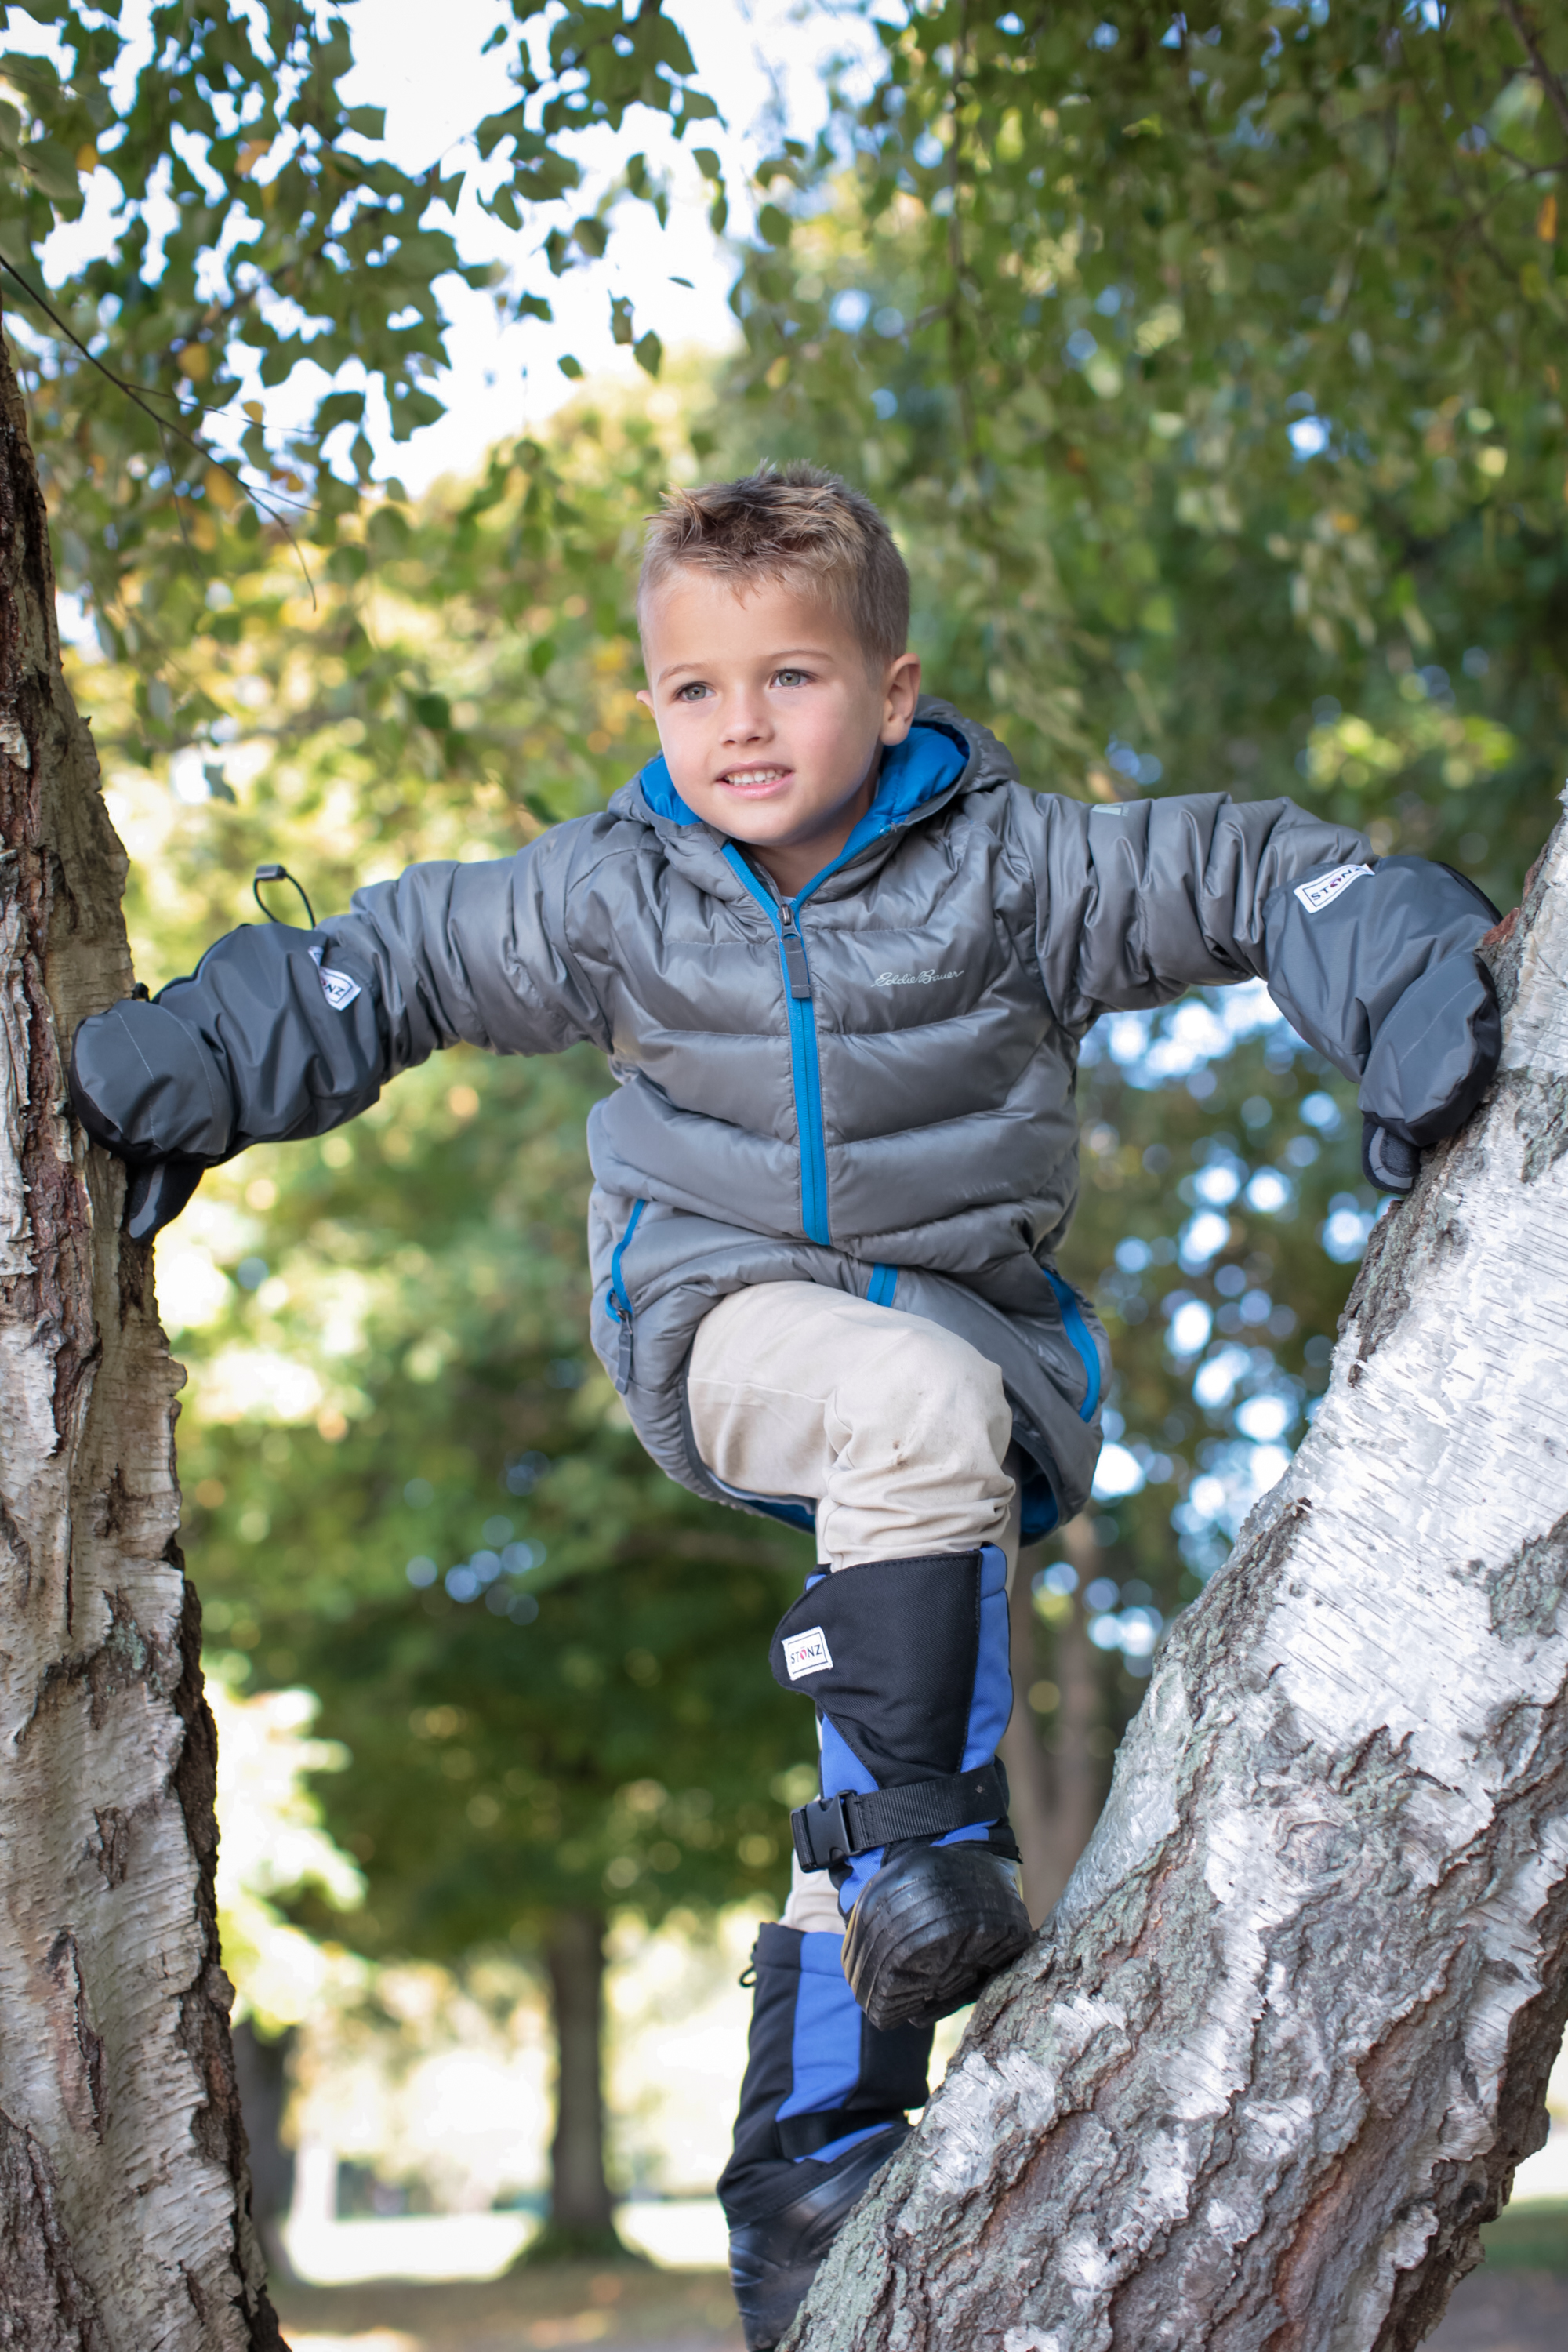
(771, 717)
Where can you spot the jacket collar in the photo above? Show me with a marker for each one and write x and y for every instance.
(944, 755)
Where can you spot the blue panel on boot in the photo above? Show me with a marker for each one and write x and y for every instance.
(993, 1701)
(820, 2079)
(825, 2051)
(822, 2108)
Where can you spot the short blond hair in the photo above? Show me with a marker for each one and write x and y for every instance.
(798, 524)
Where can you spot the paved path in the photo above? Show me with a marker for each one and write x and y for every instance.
(1509, 2311)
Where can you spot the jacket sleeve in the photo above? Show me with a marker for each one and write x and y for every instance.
(282, 1032)
(1372, 961)
(1139, 901)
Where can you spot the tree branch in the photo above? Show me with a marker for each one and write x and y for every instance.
(165, 427)
(1539, 66)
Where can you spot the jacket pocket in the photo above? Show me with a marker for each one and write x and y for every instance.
(1075, 1324)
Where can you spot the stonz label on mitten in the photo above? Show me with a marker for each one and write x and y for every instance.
(1315, 894)
(337, 987)
(806, 1653)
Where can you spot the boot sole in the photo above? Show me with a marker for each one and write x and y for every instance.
(929, 1931)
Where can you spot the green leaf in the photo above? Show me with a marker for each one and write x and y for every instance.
(338, 408)
(51, 168)
(387, 534)
(648, 352)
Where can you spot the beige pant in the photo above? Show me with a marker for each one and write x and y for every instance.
(896, 1429)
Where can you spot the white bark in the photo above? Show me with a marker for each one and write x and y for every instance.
(1282, 2043)
(122, 2219)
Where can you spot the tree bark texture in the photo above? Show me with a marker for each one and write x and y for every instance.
(1275, 2055)
(122, 2202)
(575, 1957)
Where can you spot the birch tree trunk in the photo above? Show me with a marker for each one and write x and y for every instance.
(123, 2223)
(1276, 2054)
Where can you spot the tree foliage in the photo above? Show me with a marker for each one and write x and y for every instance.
(257, 227)
(1218, 356)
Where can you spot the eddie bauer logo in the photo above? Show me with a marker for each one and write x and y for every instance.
(806, 1653)
(914, 979)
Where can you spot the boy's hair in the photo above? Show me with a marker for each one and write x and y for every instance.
(798, 524)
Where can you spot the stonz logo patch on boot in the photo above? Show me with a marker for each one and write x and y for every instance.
(1316, 895)
(806, 1653)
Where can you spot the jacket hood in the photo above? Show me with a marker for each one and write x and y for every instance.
(943, 755)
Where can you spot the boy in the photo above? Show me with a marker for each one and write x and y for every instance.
(841, 960)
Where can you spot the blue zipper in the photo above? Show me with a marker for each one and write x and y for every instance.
(805, 1069)
(618, 1301)
(1079, 1332)
(884, 1282)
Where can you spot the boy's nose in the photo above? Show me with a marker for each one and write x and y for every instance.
(746, 722)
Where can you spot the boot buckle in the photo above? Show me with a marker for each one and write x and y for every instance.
(823, 1831)
(834, 1829)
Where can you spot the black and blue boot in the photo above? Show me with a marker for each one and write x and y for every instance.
(822, 2108)
(907, 1662)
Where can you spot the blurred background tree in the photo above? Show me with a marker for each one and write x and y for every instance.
(1206, 366)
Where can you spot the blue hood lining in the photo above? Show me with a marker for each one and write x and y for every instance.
(925, 763)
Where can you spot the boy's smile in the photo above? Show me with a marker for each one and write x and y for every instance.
(771, 716)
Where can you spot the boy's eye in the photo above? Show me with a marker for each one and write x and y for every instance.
(689, 693)
(789, 678)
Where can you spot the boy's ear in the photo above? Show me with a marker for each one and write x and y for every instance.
(900, 692)
(645, 697)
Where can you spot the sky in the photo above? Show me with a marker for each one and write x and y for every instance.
(762, 62)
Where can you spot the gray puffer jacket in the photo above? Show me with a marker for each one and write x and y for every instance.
(868, 1086)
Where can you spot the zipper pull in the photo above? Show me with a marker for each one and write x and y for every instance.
(795, 955)
(623, 1374)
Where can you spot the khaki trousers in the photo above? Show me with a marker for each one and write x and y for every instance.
(898, 1432)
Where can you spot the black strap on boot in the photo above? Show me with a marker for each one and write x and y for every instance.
(804, 2134)
(831, 1829)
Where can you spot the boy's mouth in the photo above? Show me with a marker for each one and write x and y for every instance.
(754, 779)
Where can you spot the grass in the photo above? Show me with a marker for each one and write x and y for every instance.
(626, 2307)
(1531, 2237)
